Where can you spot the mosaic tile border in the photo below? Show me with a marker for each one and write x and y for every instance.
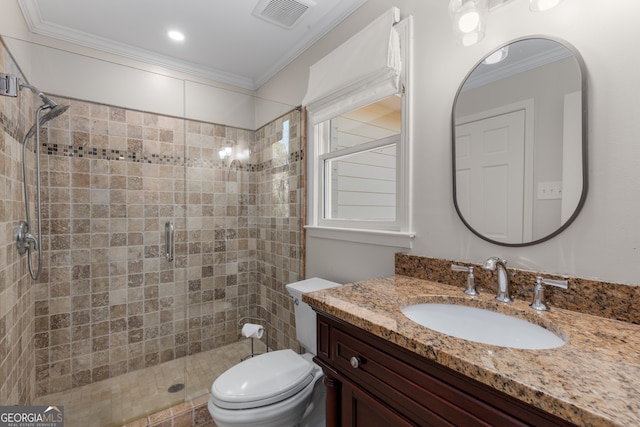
(135, 157)
(10, 127)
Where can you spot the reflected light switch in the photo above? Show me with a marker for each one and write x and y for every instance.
(550, 190)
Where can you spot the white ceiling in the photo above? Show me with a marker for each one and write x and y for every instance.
(224, 41)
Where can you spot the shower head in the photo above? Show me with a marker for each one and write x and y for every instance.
(50, 115)
(53, 113)
(54, 109)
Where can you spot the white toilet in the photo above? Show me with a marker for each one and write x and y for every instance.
(280, 388)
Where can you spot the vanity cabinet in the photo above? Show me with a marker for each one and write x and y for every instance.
(372, 382)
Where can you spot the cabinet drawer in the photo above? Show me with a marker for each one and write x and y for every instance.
(420, 397)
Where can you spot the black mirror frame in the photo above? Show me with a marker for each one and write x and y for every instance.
(584, 124)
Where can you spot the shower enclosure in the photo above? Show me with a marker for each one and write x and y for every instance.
(155, 244)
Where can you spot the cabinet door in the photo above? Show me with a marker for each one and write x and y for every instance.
(361, 410)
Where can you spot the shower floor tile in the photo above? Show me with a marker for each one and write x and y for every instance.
(118, 400)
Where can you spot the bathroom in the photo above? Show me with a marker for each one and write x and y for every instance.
(602, 243)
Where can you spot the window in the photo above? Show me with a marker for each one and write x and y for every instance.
(359, 156)
(359, 162)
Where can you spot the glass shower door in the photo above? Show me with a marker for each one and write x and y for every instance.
(111, 305)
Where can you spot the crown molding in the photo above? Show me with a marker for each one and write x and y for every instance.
(534, 61)
(37, 25)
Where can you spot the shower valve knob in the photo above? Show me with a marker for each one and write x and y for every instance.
(23, 238)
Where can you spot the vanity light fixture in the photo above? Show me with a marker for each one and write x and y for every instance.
(231, 156)
(542, 5)
(469, 17)
(225, 152)
(175, 35)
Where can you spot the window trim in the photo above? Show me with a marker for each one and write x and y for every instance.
(324, 199)
(366, 231)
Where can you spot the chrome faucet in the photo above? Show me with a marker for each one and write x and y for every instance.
(492, 264)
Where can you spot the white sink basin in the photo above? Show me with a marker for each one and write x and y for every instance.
(482, 326)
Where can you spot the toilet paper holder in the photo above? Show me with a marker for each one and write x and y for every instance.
(262, 321)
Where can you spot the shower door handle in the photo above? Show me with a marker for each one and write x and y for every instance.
(169, 243)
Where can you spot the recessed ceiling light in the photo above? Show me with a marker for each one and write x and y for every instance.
(175, 35)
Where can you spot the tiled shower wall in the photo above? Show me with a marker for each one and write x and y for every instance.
(217, 244)
(108, 302)
(281, 199)
(17, 362)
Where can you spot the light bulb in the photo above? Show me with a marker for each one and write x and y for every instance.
(469, 21)
(542, 5)
(470, 39)
(225, 152)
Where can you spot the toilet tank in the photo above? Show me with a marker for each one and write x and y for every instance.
(305, 316)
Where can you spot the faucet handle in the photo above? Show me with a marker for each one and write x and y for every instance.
(538, 292)
(456, 267)
(564, 284)
(471, 279)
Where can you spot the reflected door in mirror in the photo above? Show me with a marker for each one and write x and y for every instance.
(490, 175)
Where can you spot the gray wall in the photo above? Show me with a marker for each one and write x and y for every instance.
(604, 241)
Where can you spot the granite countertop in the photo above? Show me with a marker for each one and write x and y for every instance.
(593, 380)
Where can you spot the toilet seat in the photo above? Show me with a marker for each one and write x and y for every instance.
(262, 380)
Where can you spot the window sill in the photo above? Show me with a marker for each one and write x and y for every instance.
(373, 237)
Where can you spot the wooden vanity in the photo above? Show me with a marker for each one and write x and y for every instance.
(384, 370)
(371, 382)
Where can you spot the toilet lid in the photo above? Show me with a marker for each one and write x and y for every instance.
(262, 380)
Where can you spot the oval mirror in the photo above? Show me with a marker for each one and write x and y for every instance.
(519, 143)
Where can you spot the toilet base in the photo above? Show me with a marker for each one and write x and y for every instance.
(315, 415)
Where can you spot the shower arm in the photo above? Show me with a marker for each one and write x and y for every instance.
(48, 101)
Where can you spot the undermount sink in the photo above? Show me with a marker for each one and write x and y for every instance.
(482, 326)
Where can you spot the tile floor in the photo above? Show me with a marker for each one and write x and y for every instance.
(116, 401)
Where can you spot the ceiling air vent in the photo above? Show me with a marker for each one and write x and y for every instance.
(284, 13)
